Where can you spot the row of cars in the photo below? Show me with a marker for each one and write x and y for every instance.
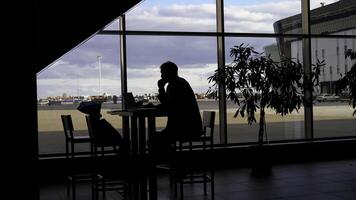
(328, 98)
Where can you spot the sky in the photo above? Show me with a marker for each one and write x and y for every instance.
(77, 72)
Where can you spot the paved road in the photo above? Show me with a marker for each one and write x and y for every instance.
(202, 105)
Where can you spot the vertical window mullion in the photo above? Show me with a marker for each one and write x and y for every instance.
(308, 107)
(123, 59)
(221, 64)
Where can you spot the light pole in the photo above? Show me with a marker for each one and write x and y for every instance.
(99, 62)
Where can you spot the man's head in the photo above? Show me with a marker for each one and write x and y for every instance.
(169, 71)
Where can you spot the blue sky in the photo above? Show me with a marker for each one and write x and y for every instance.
(77, 72)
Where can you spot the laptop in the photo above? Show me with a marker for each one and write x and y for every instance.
(130, 101)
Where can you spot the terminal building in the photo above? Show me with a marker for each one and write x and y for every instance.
(338, 18)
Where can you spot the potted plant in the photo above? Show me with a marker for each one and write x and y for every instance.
(263, 84)
(349, 80)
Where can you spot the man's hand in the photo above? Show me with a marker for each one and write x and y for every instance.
(161, 83)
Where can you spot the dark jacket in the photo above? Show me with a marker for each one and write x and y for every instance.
(184, 120)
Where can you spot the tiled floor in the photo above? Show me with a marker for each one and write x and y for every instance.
(327, 180)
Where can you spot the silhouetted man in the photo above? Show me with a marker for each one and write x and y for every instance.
(178, 100)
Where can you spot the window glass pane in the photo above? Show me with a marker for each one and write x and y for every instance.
(262, 16)
(113, 26)
(75, 77)
(279, 127)
(194, 56)
(173, 15)
(333, 17)
(332, 112)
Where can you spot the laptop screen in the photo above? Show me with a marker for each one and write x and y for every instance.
(130, 101)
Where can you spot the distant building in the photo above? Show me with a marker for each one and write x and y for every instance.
(273, 52)
(338, 18)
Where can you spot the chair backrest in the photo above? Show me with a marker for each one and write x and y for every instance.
(67, 126)
(208, 123)
(90, 127)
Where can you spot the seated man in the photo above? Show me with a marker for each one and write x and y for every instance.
(178, 100)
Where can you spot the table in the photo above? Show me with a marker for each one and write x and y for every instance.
(134, 126)
(134, 129)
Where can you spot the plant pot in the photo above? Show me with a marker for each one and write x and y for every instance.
(260, 160)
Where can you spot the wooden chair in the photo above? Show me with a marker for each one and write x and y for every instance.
(70, 138)
(184, 171)
(104, 182)
(105, 179)
(74, 176)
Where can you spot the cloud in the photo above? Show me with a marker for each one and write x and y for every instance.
(196, 56)
(70, 70)
(189, 11)
(146, 51)
(258, 16)
(106, 46)
(201, 17)
(174, 17)
(146, 81)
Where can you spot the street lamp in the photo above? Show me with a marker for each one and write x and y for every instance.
(99, 62)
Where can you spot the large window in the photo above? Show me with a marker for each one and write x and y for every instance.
(87, 72)
(332, 112)
(279, 127)
(195, 57)
(185, 32)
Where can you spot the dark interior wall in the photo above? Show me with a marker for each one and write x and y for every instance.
(63, 24)
(37, 33)
(19, 126)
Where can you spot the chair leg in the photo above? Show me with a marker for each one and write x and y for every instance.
(67, 150)
(91, 149)
(73, 188)
(92, 188)
(103, 188)
(205, 182)
(181, 189)
(68, 184)
(95, 191)
(72, 150)
(212, 190)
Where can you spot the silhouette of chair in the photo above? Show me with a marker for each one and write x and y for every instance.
(184, 170)
(74, 176)
(96, 142)
(70, 138)
(106, 179)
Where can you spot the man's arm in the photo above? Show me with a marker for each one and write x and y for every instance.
(162, 95)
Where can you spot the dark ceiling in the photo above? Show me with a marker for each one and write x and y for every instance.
(63, 24)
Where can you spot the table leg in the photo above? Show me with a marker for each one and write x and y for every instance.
(126, 132)
(134, 136)
(152, 176)
(142, 135)
(143, 187)
(151, 125)
(126, 128)
(152, 183)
